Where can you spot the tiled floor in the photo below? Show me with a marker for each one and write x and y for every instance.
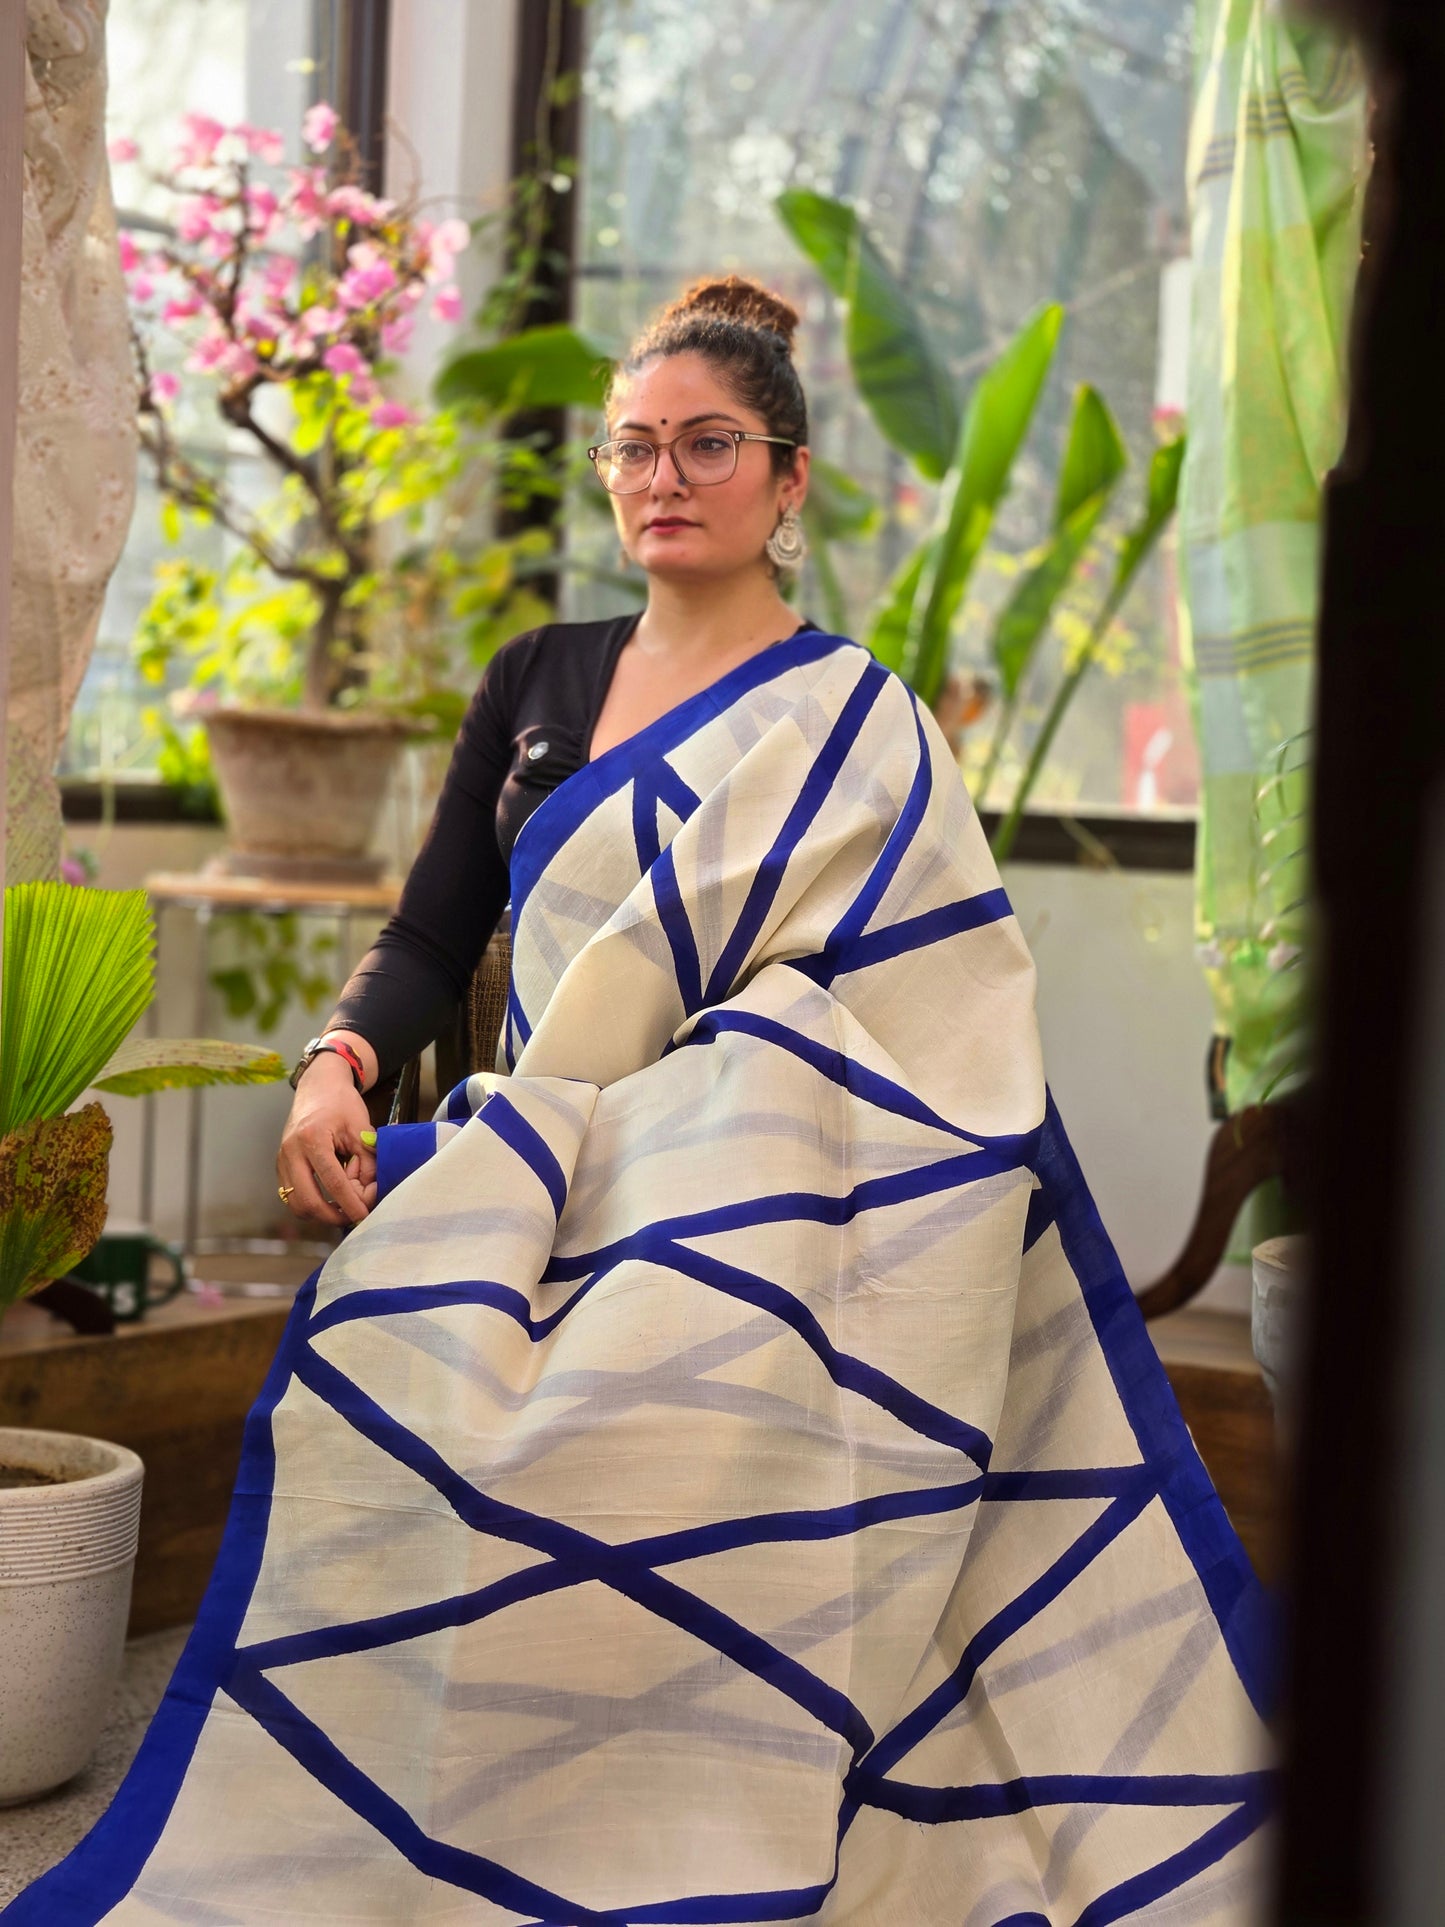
(34, 1837)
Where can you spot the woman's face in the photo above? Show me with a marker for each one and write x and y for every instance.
(673, 528)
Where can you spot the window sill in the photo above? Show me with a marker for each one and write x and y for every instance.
(1100, 839)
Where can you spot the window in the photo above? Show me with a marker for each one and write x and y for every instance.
(261, 61)
(1003, 155)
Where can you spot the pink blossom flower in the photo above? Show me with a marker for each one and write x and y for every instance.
(447, 304)
(262, 209)
(306, 200)
(396, 334)
(205, 357)
(278, 274)
(320, 320)
(197, 145)
(164, 386)
(343, 359)
(129, 253)
(369, 278)
(354, 204)
(71, 871)
(237, 361)
(363, 390)
(318, 126)
(198, 219)
(182, 308)
(141, 287)
(293, 344)
(391, 414)
(264, 142)
(261, 324)
(123, 148)
(442, 245)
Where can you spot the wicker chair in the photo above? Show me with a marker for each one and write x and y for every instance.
(395, 1100)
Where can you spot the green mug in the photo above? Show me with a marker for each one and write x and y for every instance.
(119, 1269)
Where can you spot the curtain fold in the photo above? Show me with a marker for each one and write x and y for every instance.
(75, 456)
(1276, 161)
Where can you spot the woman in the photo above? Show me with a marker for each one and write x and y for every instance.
(727, 1478)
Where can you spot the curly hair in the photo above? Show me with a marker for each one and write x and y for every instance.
(746, 333)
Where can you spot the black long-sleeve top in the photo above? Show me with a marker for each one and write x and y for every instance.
(527, 728)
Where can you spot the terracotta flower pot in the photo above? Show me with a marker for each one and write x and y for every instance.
(302, 789)
(69, 1515)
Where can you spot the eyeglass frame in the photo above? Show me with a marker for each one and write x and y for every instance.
(659, 448)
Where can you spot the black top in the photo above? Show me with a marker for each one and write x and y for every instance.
(527, 728)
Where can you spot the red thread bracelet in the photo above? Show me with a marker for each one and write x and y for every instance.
(348, 1057)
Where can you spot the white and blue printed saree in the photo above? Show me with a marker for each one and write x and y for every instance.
(726, 1479)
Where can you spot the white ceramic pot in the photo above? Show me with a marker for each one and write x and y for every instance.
(69, 1516)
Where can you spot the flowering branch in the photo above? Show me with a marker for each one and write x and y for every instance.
(302, 293)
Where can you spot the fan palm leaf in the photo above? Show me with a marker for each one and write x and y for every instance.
(79, 971)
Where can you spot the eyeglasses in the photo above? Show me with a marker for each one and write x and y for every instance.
(701, 456)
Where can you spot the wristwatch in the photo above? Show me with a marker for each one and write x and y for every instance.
(333, 1044)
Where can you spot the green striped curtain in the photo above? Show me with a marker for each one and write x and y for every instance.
(1276, 162)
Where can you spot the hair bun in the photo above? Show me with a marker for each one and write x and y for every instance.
(739, 298)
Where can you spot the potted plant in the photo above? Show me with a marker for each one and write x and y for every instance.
(78, 973)
(968, 447)
(325, 637)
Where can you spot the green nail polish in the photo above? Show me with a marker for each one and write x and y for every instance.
(368, 1138)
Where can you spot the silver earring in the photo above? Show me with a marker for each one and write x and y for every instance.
(787, 545)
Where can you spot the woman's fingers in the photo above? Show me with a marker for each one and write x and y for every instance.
(333, 1183)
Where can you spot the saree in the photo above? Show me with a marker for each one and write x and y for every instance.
(726, 1477)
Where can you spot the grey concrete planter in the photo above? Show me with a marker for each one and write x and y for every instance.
(69, 1516)
(302, 789)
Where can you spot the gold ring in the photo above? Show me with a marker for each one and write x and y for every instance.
(284, 1191)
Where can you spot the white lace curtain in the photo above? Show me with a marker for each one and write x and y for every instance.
(75, 454)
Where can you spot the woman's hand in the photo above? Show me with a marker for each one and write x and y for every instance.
(331, 1172)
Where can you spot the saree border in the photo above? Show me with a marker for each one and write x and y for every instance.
(103, 1867)
(562, 812)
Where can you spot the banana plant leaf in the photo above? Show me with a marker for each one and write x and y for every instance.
(841, 508)
(79, 971)
(53, 1173)
(1161, 496)
(901, 376)
(548, 367)
(145, 1064)
(1095, 459)
(995, 423)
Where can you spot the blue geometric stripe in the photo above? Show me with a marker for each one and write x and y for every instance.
(1131, 1896)
(812, 794)
(320, 1756)
(870, 1086)
(912, 933)
(855, 918)
(853, 1374)
(952, 1692)
(935, 1805)
(662, 1549)
(807, 1207)
(499, 1114)
(588, 1557)
(672, 915)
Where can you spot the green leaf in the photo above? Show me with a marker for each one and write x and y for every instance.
(1094, 460)
(995, 423)
(79, 971)
(901, 376)
(146, 1064)
(53, 1174)
(837, 506)
(548, 367)
(1161, 495)
(888, 632)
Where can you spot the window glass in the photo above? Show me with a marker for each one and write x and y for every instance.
(260, 61)
(1003, 156)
